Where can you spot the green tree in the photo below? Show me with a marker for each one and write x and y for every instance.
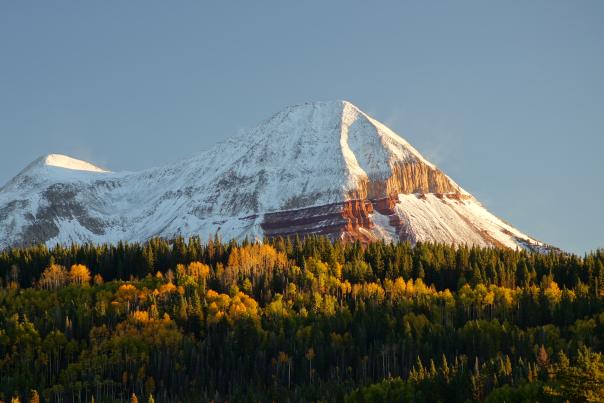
(583, 382)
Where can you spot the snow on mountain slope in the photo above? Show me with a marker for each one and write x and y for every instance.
(317, 168)
(63, 161)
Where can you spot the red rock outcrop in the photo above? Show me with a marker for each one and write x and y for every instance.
(337, 220)
(350, 220)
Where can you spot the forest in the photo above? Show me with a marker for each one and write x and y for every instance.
(299, 320)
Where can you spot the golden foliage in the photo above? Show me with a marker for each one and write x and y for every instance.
(54, 276)
(553, 292)
(126, 292)
(79, 274)
(167, 288)
(255, 259)
(140, 316)
(198, 270)
(98, 279)
(223, 306)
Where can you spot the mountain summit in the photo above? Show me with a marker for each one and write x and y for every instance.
(317, 168)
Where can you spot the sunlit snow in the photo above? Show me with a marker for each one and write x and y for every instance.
(306, 155)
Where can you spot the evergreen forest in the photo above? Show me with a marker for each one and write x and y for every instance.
(297, 320)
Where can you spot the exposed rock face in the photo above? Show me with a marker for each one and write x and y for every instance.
(336, 220)
(353, 220)
(319, 168)
(408, 177)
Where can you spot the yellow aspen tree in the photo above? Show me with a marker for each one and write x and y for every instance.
(79, 275)
(54, 276)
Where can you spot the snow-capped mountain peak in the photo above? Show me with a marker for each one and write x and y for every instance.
(315, 168)
(66, 162)
(60, 162)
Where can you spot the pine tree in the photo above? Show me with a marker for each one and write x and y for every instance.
(583, 382)
(421, 273)
(476, 276)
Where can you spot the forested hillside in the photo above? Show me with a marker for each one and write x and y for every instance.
(299, 320)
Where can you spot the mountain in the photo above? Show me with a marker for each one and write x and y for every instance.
(318, 168)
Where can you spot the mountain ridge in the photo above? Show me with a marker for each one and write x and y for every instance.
(315, 168)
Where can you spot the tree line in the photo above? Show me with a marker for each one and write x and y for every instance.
(299, 320)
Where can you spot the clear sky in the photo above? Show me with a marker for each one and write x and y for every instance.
(506, 98)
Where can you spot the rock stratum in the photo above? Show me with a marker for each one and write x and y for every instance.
(318, 168)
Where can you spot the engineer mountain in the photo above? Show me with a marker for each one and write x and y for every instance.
(318, 168)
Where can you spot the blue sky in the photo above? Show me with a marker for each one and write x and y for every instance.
(507, 98)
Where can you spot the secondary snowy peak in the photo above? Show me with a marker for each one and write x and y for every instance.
(51, 168)
(58, 165)
(66, 162)
(61, 162)
(316, 168)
